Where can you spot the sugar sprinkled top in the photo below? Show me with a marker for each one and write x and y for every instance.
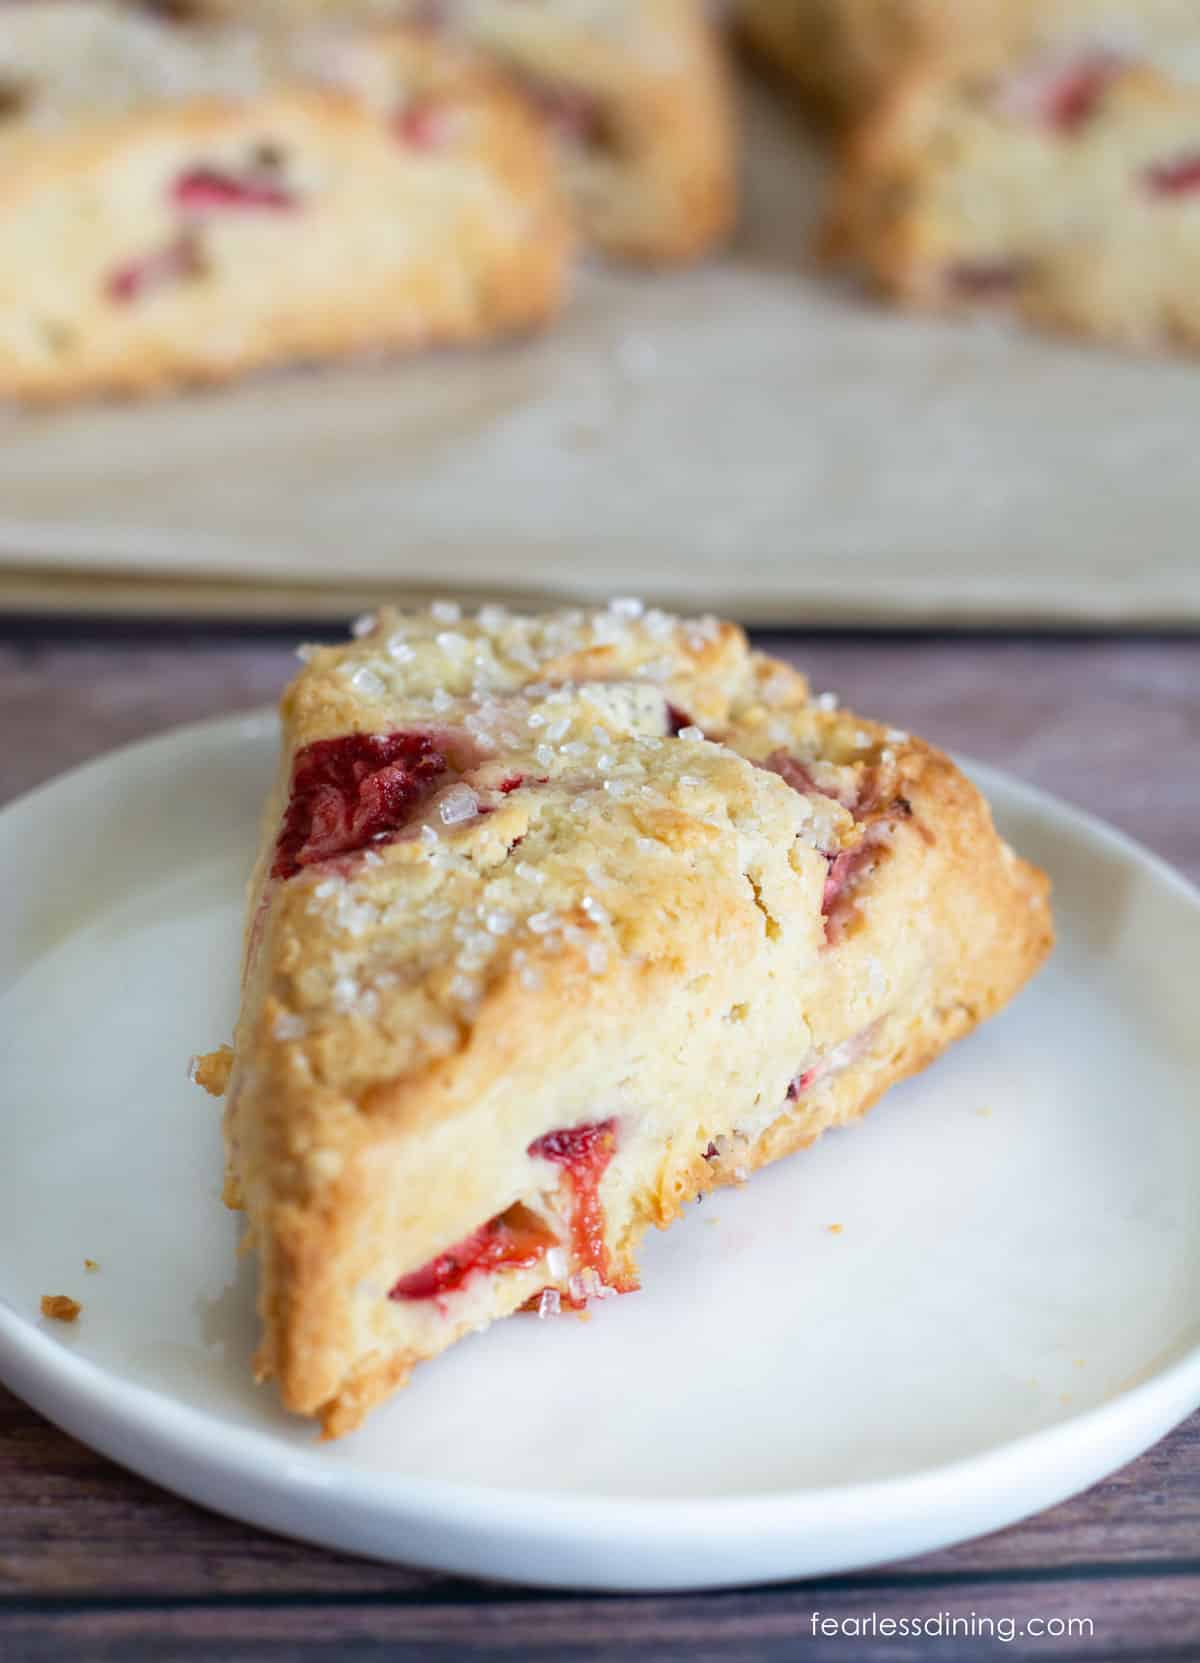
(546, 750)
(458, 805)
(366, 681)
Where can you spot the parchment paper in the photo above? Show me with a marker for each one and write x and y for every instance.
(749, 436)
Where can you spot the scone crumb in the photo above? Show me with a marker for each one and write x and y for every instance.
(211, 1069)
(91, 1264)
(61, 1307)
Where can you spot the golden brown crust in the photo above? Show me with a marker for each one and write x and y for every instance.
(60, 1307)
(630, 921)
(389, 244)
(211, 1070)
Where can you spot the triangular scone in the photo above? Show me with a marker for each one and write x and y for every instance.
(184, 204)
(531, 962)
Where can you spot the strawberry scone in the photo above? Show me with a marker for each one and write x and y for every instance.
(556, 923)
(1064, 186)
(183, 204)
(635, 91)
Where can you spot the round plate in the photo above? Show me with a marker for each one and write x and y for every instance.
(1005, 1311)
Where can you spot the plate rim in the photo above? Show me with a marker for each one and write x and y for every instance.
(153, 1433)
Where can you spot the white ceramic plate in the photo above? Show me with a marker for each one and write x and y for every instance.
(1009, 1311)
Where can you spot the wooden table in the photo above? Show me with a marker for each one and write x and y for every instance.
(96, 1564)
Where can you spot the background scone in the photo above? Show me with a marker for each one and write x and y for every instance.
(1064, 186)
(556, 923)
(183, 204)
(636, 92)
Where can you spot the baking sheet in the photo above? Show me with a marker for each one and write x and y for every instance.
(747, 436)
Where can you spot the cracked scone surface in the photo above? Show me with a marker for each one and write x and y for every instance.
(184, 204)
(556, 923)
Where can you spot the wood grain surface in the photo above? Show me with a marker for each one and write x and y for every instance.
(98, 1564)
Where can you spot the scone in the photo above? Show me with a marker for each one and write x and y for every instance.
(556, 923)
(182, 204)
(844, 56)
(636, 92)
(1064, 187)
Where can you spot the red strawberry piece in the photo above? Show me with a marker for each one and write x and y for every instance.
(424, 125)
(677, 720)
(867, 802)
(1073, 100)
(863, 797)
(584, 1152)
(860, 797)
(351, 792)
(202, 191)
(178, 261)
(1064, 91)
(843, 870)
(1178, 177)
(796, 774)
(514, 1240)
(802, 1082)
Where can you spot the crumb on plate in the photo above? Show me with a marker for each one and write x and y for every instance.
(61, 1307)
(210, 1069)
